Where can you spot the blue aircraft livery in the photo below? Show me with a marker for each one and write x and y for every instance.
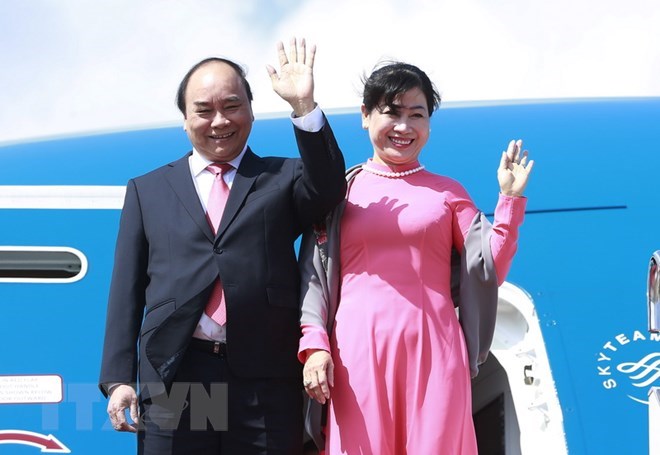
(572, 361)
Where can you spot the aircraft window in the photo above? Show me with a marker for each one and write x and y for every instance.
(41, 264)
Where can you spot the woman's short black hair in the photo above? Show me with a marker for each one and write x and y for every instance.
(181, 92)
(391, 79)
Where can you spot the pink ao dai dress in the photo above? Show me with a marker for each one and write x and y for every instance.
(402, 380)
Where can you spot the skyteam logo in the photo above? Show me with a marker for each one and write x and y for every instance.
(630, 363)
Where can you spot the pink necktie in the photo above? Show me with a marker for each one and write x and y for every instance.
(215, 308)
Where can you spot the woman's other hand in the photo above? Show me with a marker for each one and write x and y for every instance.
(318, 375)
(514, 169)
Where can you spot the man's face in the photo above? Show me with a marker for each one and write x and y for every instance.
(219, 115)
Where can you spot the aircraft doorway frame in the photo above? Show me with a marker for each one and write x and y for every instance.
(518, 374)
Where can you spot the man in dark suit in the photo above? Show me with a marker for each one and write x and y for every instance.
(170, 265)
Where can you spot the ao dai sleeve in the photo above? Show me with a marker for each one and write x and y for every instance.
(315, 297)
(313, 337)
(509, 215)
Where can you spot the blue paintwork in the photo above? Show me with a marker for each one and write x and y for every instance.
(584, 248)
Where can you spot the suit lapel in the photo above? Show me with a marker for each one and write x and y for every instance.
(249, 169)
(182, 184)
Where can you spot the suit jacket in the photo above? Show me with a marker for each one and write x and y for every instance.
(167, 259)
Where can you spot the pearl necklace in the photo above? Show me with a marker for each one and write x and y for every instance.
(392, 174)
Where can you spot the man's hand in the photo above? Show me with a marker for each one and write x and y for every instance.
(295, 81)
(123, 397)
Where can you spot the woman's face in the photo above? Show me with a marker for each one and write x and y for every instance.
(398, 133)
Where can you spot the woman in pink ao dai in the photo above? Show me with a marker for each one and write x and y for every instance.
(393, 366)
